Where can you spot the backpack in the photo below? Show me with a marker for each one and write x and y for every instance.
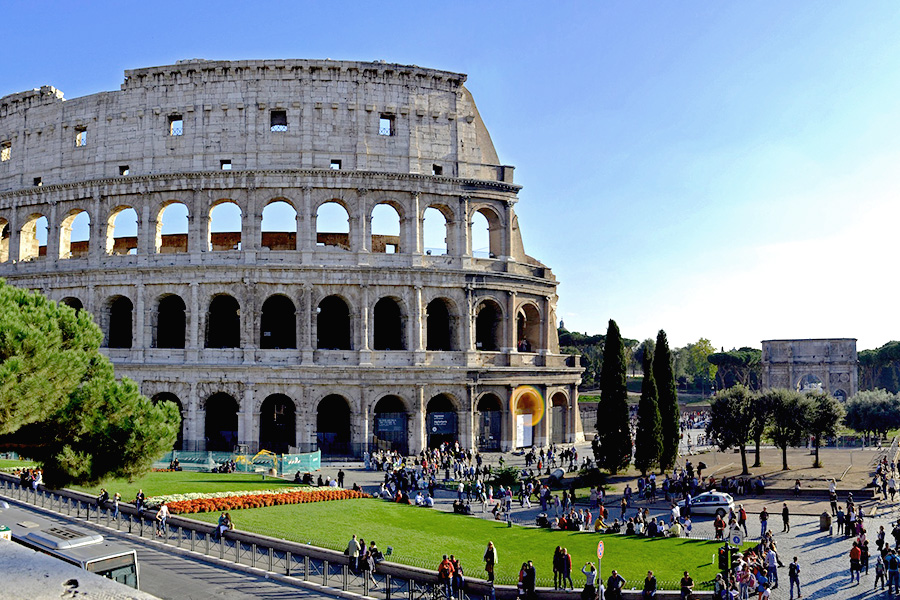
(793, 570)
(444, 571)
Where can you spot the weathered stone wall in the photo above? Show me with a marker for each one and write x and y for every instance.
(796, 363)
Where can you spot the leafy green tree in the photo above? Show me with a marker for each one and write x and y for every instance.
(669, 412)
(825, 415)
(60, 403)
(731, 414)
(873, 412)
(760, 418)
(790, 413)
(692, 364)
(613, 430)
(880, 368)
(737, 367)
(648, 438)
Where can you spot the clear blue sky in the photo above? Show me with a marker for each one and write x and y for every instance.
(719, 169)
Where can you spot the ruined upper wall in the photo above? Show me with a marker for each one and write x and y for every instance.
(333, 113)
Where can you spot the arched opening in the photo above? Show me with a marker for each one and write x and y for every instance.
(4, 240)
(170, 322)
(75, 234)
(225, 224)
(221, 423)
(279, 226)
(486, 234)
(388, 325)
(172, 228)
(559, 417)
(438, 326)
(333, 324)
(840, 395)
(391, 425)
(278, 323)
(386, 229)
(488, 327)
(122, 231)
(120, 318)
(33, 238)
(170, 397)
(333, 426)
(435, 232)
(223, 323)
(441, 422)
(277, 424)
(528, 412)
(490, 423)
(528, 329)
(73, 303)
(332, 226)
(810, 383)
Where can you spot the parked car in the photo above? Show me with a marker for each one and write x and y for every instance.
(709, 503)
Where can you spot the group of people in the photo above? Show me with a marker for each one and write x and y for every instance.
(756, 572)
(363, 558)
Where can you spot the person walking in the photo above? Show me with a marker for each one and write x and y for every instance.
(162, 516)
(763, 522)
(879, 573)
(590, 574)
(566, 565)
(353, 553)
(892, 564)
(445, 576)
(855, 554)
(786, 518)
(490, 559)
(794, 577)
(772, 567)
(742, 519)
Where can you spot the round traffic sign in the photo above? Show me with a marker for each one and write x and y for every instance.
(599, 550)
(736, 536)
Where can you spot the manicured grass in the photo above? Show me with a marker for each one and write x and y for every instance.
(8, 462)
(183, 482)
(420, 536)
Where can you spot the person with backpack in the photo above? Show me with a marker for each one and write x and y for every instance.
(892, 564)
(794, 577)
(445, 577)
(879, 573)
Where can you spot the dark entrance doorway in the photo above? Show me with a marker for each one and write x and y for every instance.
(221, 423)
(333, 426)
(277, 424)
(391, 425)
(441, 421)
(490, 423)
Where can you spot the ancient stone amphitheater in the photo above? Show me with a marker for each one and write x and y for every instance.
(218, 220)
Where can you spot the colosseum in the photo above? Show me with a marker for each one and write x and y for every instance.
(252, 238)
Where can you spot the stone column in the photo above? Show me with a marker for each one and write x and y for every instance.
(193, 431)
(246, 417)
(139, 326)
(463, 229)
(97, 239)
(194, 320)
(307, 314)
(146, 234)
(417, 435)
(53, 233)
(365, 354)
(361, 224)
(418, 316)
(413, 225)
(306, 236)
(511, 323)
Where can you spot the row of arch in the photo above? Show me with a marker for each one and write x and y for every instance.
(390, 423)
(281, 228)
(333, 319)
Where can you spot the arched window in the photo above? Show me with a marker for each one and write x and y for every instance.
(120, 318)
(332, 226)
(279, 226)
(438, 326)
(73, 303)
(172, 228)
(441, 426)
(435, 232)
(386, 229)
(225, 226)
(486, 234)
(488, 328)
(122, 231)
(490, 423)
(333, 426)
(277, 424)
(223, 323)
(388, 325)
(170, 322)
(170, 397)
(278, 323)
(75, 234)
(391, 425)
(33, 238)
(528, 329)
(529, 409)
(333, 324)
(221, 423)
(809, 383)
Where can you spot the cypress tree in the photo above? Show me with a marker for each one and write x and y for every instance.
(669, 413)
(613, 431)
(648, 439)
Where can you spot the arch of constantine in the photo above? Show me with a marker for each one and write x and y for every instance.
(830, 365)
(153, 206)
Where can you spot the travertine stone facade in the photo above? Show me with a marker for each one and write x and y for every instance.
(303, 337)
(828, 364)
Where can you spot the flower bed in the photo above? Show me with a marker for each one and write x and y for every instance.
(222, 501)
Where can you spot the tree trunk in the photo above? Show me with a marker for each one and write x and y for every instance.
(784, 466)
(746, 471)
(817, 464)
(756, 462)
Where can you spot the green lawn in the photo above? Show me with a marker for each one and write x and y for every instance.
(7, 463)
(182, 482)
(419, 537)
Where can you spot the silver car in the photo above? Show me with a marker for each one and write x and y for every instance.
(709, 503)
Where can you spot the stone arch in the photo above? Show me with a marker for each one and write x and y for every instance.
(333, 417)
(120, 333)
(31, 236)
(488, 326)
(809, 382)
(277, 424)
(528, 409)
(221, 422)
(528, 328)
(391, 428)
(386, 219)
(73, 303)
(333, 324)
(388, 325)
(122, 231)
(442, 424)
(441, 325)
(559, 417)
(436, 234)
(170, 327)
(278, 228)
(170, 397)
(494, 226)
(226, 224)
(223, 322)
(172, 227)
(75, 234)
(5, 233)
(332, 225)
(490, 422)
(841, 395)
(278, 323)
